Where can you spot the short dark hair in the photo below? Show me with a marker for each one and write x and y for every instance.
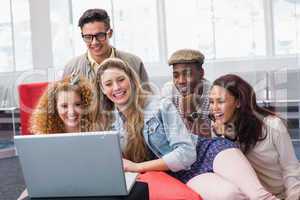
(94, 15)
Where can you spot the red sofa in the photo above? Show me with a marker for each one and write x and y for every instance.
(164, 187)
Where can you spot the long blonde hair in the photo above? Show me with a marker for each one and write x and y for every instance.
(135, 149)
(45, 118)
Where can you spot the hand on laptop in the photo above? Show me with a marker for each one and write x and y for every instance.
(130, 166)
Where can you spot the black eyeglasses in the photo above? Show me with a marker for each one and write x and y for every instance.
(101, 36)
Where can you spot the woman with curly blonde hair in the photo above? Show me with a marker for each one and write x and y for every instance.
(66, 106)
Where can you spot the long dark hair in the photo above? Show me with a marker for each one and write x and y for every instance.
(249, 116)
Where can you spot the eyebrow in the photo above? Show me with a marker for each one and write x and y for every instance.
(110, 80)
(106, 81)
(181, 71)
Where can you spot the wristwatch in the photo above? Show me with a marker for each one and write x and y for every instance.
(193, 116)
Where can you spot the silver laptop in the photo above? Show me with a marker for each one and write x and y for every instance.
(73, 165)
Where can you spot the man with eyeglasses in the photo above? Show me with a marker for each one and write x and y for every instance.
(189, 90)
(96, 32)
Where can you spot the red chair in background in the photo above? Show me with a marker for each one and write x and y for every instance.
(29, 94)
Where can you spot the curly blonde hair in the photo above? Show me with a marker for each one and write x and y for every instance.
(45, 118)
(135, 149)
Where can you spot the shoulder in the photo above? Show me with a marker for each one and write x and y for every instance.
(206, 85)
(78, 60)
(158, 102)
(274, 126)
(157, 106)
(169, 90)
(128, 57)
(273, 122)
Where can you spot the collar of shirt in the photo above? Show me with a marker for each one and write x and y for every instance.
(92, 61)
(203, 106)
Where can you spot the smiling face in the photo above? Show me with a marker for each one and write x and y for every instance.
(97, 49)
(222, 104)
(186, 77)
(69, 108)
(116, 86)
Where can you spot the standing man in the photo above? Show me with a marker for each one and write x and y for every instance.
(189, 90)
(96, 32)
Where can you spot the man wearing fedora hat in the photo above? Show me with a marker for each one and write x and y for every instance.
(189, 90)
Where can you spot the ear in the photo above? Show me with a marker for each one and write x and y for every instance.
(238, 104)
(202, 72)
(110, 33)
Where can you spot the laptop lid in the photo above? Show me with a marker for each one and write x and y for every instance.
(72, 164)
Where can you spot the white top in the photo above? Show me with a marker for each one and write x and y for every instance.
(275, 162)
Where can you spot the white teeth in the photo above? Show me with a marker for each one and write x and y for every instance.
(119, 93)
(183, 89)
(72, 118)
(219, 114)
(96, 48)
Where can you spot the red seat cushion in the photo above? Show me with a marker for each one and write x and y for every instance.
(164, 187)
(29, 94)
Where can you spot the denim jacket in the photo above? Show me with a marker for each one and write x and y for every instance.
(165, 134)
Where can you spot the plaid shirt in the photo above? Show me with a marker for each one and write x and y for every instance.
(203, 108)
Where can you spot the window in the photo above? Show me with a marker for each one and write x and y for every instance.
(6, 52)
(239, 28)
(133, 34)
(212, 27)
(15, 40)
(22, 36)
(286, 26)
(219, 28)
(61, 32)
(189, 25)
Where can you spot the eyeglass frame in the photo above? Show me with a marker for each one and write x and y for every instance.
(103, 34)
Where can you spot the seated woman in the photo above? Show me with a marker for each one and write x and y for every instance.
(66, 106)
(154, 138)
(262, 136)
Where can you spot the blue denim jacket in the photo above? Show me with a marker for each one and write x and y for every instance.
(165, 134)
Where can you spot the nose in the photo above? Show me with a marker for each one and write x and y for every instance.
(71, 110)
(181, 80)
(214, 106)
(116, 86)
(94, 40)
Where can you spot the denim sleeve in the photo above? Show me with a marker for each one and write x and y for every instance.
(183, 149)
